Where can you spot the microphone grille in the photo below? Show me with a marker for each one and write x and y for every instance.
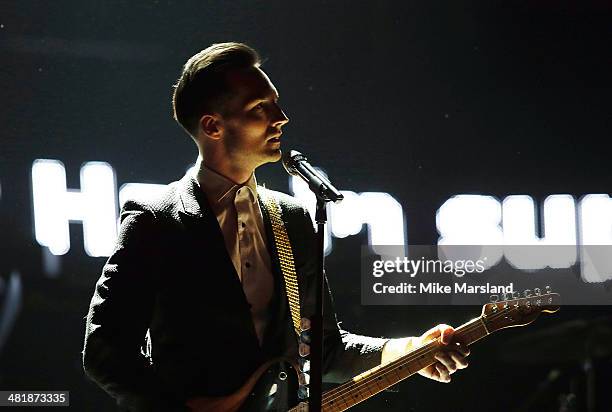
(290, 159)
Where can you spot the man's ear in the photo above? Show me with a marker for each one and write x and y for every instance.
(212, 125)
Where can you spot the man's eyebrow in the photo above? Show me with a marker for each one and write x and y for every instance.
(273, 93)
(262, 96)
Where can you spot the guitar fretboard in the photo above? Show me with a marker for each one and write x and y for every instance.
(381, 377)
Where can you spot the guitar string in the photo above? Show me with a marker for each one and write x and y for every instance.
(349, 387)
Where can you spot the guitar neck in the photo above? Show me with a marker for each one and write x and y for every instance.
(519, 311)
(380, 378)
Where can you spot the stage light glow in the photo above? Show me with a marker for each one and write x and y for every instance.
(98, 186)
(346, 216)
(385, 219)
(519, 229)
(595, 216)
(523, 248)
(560, 230)
(48, 196)
(461, 220)
(300, 191)
(55, 206)
(470, 220)
(560, 220)
(382, 214)
(596, 220)
(518, 220)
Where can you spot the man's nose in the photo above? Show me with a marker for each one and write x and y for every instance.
(280, 118)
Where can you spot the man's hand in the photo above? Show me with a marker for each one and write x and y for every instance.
(451, 359)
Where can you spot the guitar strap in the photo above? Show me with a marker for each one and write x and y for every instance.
(285, 256)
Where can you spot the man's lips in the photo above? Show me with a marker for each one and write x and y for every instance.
(274, 138)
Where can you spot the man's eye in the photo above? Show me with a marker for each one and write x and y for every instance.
(259, 106)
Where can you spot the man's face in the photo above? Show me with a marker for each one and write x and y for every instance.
(252, 119)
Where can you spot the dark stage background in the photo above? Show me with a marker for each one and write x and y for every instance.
(420, 100)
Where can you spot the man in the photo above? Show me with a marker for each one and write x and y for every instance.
(197, 269)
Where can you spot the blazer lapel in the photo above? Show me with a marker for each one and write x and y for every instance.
(202, 226)
(199, 220)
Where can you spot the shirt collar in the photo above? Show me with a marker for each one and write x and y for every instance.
(219, 188)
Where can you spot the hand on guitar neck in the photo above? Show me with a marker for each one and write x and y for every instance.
(449, 360)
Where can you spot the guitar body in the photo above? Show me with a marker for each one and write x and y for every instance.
(275, 390)
(273, 387)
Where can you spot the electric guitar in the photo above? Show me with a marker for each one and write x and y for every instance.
(274, 386)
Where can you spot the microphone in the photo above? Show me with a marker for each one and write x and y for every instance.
(296, 164)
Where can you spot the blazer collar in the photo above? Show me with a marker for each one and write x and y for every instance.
(220, 189)
(193, 201)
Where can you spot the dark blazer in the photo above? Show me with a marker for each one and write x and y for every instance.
(171, 275)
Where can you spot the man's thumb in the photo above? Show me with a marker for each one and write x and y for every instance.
(445, 332)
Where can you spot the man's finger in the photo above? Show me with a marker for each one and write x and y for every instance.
(444, 376)
(462, 349)
(444, 331)
(459, 359)
(447, 333)
(446, 360)
(430, 372)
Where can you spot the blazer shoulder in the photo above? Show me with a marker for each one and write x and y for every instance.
(158, 200)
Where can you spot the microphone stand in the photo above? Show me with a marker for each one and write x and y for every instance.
(296, 164)
(316, 344)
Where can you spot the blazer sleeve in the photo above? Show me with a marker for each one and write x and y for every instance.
(345, 354)
(119, 316)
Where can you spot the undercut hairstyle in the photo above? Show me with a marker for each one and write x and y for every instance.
(202, 86)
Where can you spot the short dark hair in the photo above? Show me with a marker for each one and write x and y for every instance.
(202, 86)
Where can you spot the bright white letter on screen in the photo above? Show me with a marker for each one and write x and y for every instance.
(471, 220)
(55, 205)
(384, 217)
(595, 213)
(382, 214)
(520, 236)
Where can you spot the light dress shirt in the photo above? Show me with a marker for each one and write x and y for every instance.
(237, 210)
